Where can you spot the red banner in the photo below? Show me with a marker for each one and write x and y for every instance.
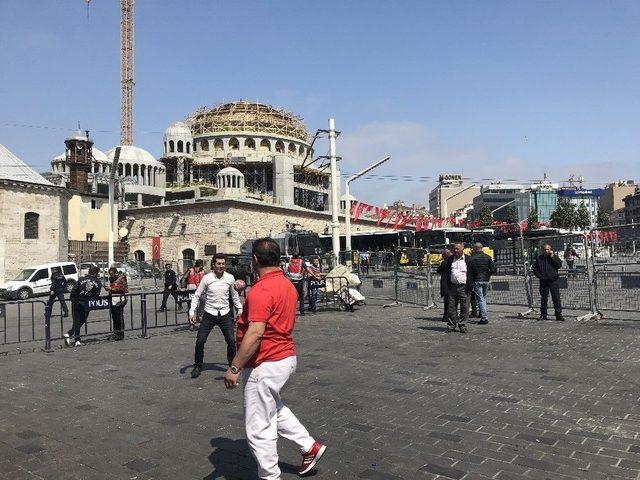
(155, 248)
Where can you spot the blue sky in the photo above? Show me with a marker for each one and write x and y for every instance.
(504, 90)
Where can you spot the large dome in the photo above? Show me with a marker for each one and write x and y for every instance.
(177, 129)
(244, 117)
(134, 155)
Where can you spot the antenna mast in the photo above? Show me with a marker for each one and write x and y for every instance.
(127, 68)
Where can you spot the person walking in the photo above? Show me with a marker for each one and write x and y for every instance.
(570, 256)
(546, 267)
(189, 283)
(117, 289)
(88, 287)
(57, 290)
(170, 288)
(481, 268)
(446, 253)
(215, 289)
(314, 274)
(458, 289)
(267, 359)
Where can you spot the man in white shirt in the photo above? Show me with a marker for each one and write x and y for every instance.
(215, 287)
(458, 289)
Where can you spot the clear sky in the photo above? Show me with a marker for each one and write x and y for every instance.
(493, 89)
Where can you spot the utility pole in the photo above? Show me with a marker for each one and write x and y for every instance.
(112, 178)
(335, 182)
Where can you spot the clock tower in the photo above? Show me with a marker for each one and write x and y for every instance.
(79, 157)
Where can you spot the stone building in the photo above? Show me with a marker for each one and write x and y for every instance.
(451, 195)
(33, 217)
(270, 147)
(224, 224)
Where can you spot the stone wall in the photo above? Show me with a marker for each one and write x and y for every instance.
(227, 224)
(50, 203)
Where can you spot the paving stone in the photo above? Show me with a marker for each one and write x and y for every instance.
(448, 472)
(30, 448)
(139, 465)
(28, 434)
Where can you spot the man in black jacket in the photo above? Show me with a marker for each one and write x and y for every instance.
(546, 267)
(88, 287)
(170, 287)
(481, 268)
(446, 253)
(58, 287)
(458, 289)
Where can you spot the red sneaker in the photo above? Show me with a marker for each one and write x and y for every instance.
(312, 457)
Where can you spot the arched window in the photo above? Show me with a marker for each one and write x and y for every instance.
(188, 257)
(171, 146)
(301, 151)
(265, 145)
(127, 170)
(280, 146)
(234, 144)
(249, 144)
(204, 145)
(218, 145)
(165, 147)
(188, 147)
(292, 148)
(180, 146)
(135, 172)
(120, 169)
(138, 255)
(31, 220)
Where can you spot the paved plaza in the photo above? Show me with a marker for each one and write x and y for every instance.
(392, 395)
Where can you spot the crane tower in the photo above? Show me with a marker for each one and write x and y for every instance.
(127, 71)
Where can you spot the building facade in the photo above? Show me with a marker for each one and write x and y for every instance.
(632, 208)
(33, 217)
(451, 196)
(613, 196)
(271, 148)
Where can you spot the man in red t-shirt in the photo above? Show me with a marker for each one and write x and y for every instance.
(268, 357)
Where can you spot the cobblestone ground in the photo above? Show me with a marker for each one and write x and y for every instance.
(393, 396)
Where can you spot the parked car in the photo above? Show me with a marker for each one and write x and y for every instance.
(84, 268)
(36, 280)
(128, 270)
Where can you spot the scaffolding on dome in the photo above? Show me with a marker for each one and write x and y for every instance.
(247, 117)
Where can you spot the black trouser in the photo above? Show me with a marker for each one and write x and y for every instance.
(117, 316)
(165, 295)
(552, 286)
(79, 314)
(445, 301)
(458, 305)
(59, 295)
(225, 322)
(474, 306)
(299, 284)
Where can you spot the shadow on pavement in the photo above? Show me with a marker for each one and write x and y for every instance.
(219, 367)
(232, 459)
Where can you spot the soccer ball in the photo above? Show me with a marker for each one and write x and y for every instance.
(240, 285)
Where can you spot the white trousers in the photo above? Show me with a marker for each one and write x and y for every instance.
(266, 416)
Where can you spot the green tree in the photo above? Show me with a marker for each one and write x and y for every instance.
(532, 219)
(604, 218)
(485, 216)
(564, 216)
(512, 218)
(582, 217)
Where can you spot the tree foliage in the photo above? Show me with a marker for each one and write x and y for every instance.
(564, 215)
(582, 217)
(604, 218)
(485, 216)
(532, 219)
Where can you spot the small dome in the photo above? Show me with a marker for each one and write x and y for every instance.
(344, 198)
(230, 177)
(178, 129)
(133, 155)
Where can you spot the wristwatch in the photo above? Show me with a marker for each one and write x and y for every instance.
(235, 370)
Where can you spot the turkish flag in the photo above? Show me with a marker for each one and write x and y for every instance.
(155, 248)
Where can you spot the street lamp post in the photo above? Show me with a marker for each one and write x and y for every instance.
(112, 178)
(347, 217)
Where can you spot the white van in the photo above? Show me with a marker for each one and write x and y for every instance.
(34, 281)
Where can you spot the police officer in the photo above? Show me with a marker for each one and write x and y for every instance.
(58, 287)
(88, 287)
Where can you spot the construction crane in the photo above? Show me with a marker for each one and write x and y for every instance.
(127, 69)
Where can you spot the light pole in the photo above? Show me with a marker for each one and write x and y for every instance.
(112, 178)
(347, 217)
(444, 204)
(335, 181)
